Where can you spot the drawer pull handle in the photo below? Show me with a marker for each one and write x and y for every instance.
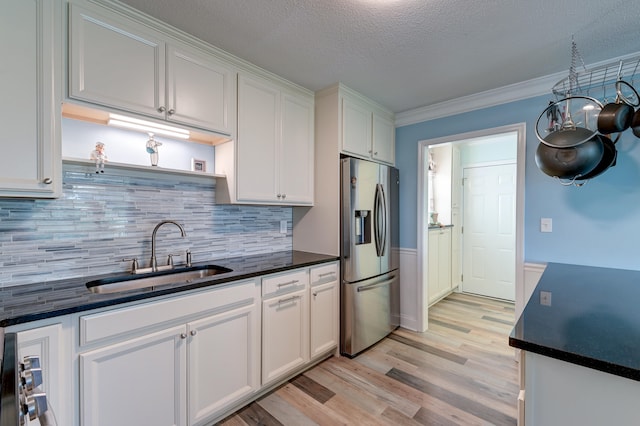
(287, 283)
(326, 274)
(288, 299)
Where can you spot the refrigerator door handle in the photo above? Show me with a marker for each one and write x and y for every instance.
(383, 232)
(380, 221)
(375, 285)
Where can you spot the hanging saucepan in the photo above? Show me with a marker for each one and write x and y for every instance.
(616, 117)
(608, 159)
(635, 124)
(571, 122)
(571, 162)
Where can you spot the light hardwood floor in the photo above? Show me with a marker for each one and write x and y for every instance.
(460, 372)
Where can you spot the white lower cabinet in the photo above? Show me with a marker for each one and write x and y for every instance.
(439, 272)
(135, 382)
(324, 306)
(183, 374)
(285, 324)
(224, 361)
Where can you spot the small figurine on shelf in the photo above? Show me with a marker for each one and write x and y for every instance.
(99, 156)
(152, 149)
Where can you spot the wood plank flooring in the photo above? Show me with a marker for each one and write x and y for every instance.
(459, 372)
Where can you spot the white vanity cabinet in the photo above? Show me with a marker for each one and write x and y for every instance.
(180, 361)
(439, 263)
(367, 129)
(285, 324)
(30, 83)
(117, 62)
(274, 150)
(324, 309)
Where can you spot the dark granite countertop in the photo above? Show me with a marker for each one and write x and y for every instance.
(32, 302)
(593, 319)
(439, 226)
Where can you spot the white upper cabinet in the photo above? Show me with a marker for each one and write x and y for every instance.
(119, 63)
(367, 129)
(274, 155)
(30, 83)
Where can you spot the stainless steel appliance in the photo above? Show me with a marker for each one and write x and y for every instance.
(21, 396)
(369, 257)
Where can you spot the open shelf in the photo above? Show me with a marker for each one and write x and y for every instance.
(90, 165)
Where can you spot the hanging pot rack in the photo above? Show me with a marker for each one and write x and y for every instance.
(599, 82)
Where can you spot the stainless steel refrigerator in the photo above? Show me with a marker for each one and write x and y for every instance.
(370, 287)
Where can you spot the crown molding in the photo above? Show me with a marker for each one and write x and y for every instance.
(502, 95)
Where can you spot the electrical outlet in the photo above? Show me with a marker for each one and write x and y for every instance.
(546, 224)
(283, 226)
(545, 298)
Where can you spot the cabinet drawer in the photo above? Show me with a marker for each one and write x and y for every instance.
(324, 274)
(285, 283)
(129, 320)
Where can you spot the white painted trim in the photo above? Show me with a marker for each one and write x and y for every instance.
(409, 306)
(501, 95)
(531, 275)
(421, 268)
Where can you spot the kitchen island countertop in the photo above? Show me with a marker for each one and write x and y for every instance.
(588, 316)
(33, 302)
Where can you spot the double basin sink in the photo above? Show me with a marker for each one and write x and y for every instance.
(152, 279)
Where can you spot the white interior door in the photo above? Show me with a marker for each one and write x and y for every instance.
(489, 232)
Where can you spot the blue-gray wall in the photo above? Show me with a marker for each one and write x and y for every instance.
(597, 224)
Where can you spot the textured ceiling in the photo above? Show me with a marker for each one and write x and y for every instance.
(409, 53)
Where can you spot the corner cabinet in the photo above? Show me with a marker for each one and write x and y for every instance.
(30, 83)
(119, 63)
(274, 148)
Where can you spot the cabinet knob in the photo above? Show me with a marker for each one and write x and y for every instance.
(375, 153)
(162, 109)
(183, 335)
(47, 181)
(279, 195)
(284, 196)
(193, 332)
(171, 111)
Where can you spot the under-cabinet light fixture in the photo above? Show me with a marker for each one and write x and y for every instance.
(123, 121)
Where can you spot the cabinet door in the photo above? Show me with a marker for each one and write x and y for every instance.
(200, 90)
(444, 261)
(141, 381)
(356, 128)
(324, 317)
(30, 164)
(113, 62)
(257, 144)
(224, 361)
(296, 165)
(433, 263)
(383, 139)
(285, 334)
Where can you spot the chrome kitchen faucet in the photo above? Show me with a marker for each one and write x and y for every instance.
(154, 262)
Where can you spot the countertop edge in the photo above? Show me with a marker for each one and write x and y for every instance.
(606, 367)
(141, 296)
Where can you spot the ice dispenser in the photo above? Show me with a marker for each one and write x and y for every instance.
(363, 226)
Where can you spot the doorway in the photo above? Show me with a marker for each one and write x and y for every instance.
(469, 151)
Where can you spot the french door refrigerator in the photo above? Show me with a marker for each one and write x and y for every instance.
(370, 286)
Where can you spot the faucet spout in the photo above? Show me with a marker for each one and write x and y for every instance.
(154, 262)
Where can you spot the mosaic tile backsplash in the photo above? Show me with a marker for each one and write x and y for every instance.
(101, 219)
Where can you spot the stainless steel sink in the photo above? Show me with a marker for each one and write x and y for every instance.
(152, 279)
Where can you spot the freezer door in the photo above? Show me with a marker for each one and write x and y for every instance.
(366, 312)
(359, 251)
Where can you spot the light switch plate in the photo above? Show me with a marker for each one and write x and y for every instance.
(546, 224)
(545, 298)
(283, 226)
